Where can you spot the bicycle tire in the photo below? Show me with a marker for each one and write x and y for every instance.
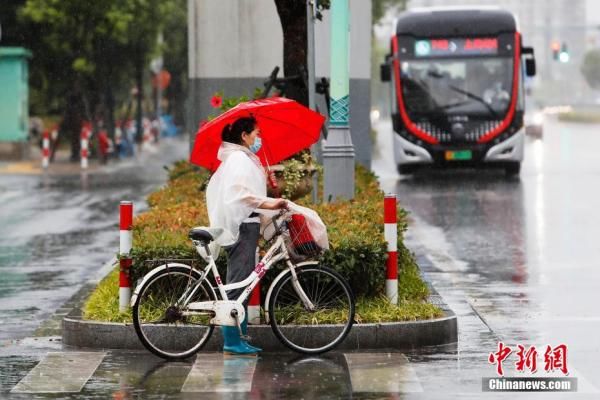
(158, 323)
(294, 325)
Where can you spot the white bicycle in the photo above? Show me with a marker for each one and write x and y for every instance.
(176, 307)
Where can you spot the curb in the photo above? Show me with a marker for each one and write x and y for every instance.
(391, 335)
(398, 335)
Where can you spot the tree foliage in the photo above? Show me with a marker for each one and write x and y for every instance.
(88, 55)
(590, 68)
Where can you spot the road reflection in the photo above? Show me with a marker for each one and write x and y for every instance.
(481, 213)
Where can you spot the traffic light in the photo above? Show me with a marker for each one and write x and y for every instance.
(564, 53)
(555, 50)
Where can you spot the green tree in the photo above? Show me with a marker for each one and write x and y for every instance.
(90, 51)
(590, 68)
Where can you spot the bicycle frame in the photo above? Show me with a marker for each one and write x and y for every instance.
(276, 252)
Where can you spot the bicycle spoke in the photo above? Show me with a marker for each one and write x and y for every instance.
(161, 325)
(333, 306)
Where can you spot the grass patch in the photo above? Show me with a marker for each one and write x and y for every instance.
(103, 304)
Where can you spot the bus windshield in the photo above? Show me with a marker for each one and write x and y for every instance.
(475, 86)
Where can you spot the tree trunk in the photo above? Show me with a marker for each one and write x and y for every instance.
(72, 120)
(139, 80)
(292, 14)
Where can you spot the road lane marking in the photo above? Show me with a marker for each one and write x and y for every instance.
(65, 372)
(382, 373)
(215, 373)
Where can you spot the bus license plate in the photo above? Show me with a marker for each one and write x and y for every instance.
(453, 155)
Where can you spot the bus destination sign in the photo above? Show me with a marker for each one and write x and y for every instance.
(456, 47)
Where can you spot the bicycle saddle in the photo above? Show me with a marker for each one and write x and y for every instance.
(205, 235)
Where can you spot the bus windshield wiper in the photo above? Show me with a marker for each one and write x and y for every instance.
(447, 106)
(437, 75)
(476, 98)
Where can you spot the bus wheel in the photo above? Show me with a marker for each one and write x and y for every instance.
(406, 169)
(513, 169)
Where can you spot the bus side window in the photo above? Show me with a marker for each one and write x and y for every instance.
(521, 89)
(394, 99)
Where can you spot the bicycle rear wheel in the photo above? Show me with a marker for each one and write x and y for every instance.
(293, 323)
(158, 319)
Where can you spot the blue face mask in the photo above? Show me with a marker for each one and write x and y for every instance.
(256, 145)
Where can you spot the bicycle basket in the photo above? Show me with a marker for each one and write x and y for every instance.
(301, 243)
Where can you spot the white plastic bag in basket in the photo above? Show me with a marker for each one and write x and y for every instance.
(317, 228)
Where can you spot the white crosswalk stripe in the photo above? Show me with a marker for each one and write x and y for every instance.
(217, 373)
(369, 373)
(60, 373)
(382, 373)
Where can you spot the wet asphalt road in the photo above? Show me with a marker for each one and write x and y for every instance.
(56, 232)
(515, 259)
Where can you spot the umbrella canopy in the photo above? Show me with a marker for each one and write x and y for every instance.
(286, 126)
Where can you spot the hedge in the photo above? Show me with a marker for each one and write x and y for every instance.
(355, 228)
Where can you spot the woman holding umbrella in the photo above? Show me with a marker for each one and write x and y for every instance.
(235, 192)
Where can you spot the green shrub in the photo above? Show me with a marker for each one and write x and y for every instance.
(355, 229)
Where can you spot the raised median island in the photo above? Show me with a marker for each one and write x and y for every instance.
(357, 251)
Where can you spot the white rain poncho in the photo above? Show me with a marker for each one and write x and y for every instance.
(234, 191)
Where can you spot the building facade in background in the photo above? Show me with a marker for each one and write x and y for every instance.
(14, 102)
(234, 45)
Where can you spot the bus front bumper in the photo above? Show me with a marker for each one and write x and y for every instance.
(510, 150)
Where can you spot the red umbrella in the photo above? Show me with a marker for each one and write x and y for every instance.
(286, 128)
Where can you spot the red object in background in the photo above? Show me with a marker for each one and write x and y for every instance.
(216, 101)
(103, 142)
(162, 79)
(286, 126)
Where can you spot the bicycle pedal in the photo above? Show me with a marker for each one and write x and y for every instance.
(247, 338)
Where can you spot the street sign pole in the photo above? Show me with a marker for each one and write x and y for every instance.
(311, 7)
(338, 150)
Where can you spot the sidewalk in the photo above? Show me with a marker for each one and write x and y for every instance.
(63, 166)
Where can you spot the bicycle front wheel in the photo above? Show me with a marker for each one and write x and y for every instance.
(330, 307)
(159, 319)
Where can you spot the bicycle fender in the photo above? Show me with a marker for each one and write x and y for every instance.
(277, 279)
(152, 273)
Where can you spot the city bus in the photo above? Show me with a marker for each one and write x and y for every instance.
(457, 98)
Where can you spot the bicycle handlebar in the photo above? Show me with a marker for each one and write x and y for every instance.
(280, 214)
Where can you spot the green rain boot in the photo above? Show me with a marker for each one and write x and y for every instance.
(244, 326)
(233, 344)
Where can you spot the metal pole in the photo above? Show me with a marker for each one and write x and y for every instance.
(310, 62)
(125, 245)
(390, 220)
(338, 150)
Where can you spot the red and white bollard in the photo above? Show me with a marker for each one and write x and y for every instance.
(254, 306)
(391, 237)
(254, 302)
(84, 147)
(126, 242)
(46, 149)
